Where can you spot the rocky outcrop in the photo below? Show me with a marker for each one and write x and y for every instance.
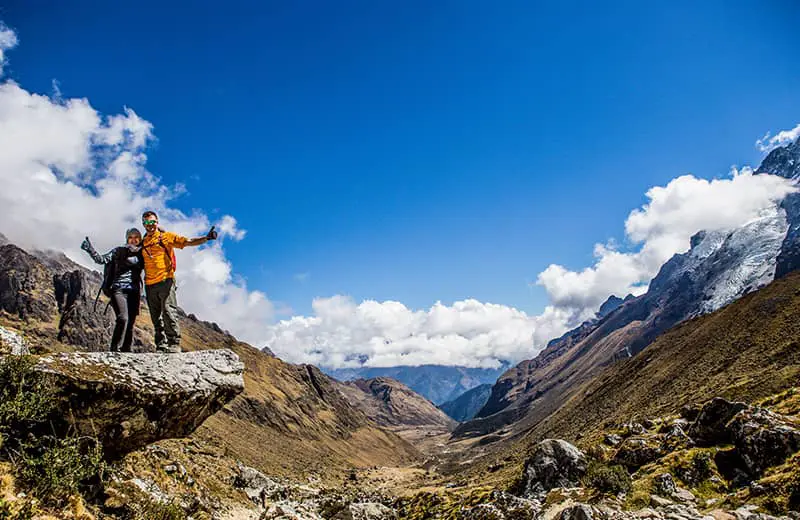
(554, 463)
(710, 427)
(763, 439)
(12, 343)
(130, 400)
(24, 285)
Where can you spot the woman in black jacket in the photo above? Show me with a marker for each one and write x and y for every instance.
(122, 284)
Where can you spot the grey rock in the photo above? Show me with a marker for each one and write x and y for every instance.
(366, 511)
(258, 487)
(635, 452)
(675, 438)
(657, 501)
(665, 485)
(612, 439)
(554, 463)
(763, 439)
(12, 343)
(635, 428)
(684, 495)
(577, 512)
(130, 400)
(710, 427)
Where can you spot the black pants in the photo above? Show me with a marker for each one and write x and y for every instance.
(126, 306)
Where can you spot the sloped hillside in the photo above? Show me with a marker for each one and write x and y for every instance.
(745, 351)
(390, 403)
(290, 420)
(437, 383)
(720, 267)
(465, 406)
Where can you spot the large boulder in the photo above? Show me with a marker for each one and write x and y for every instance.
(763, 439)
(710, 427)
(554, 463)
(130, 400)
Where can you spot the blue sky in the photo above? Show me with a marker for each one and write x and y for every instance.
(423, 151)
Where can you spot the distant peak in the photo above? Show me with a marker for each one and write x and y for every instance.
(783, 161)
(610, 305)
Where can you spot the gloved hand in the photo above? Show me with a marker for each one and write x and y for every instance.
(86, 245)
(212, 234)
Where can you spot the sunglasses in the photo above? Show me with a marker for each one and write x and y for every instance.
(149, 222)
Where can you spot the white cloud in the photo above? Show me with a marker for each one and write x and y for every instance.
(471, 333)
(468, 333)
(769, 143)
(68, 172)
(8, 40)
(661, 228)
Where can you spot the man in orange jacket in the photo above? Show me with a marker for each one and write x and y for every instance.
(158, 251)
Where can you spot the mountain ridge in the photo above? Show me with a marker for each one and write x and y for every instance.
(719, 268)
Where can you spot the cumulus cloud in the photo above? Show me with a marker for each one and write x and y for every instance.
(8, 40)
(660, 229)
(770, 142)
(343, 333)
(470, 333)
(68, 171)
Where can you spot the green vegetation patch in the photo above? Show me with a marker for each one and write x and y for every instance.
(607, 478)
(53, 468)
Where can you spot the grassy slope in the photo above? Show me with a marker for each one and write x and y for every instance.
(748, 350)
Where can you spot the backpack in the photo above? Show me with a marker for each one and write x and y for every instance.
(110, 271)
(170, 253)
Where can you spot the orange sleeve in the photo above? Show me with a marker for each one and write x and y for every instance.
(173, 240)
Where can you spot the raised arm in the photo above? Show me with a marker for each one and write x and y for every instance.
(211, 235)
(97, 257)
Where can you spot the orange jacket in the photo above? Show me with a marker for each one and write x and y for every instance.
(159, 255)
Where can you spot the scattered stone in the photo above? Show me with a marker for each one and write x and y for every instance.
(684, 495)
(657, 501)
(719, 514)
(675, 438)
(12, 343)
(635, 452)
(649, 424)
(554, 463)
(366, 511)
(577, 512)
(665, 485)
(634, 428)
(158, 451)
(258, 487)
(612, 439)
(710, 427)
(286, 510)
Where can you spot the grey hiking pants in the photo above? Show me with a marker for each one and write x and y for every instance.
(163, 306)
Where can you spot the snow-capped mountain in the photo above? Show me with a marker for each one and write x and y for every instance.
(719, 268)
